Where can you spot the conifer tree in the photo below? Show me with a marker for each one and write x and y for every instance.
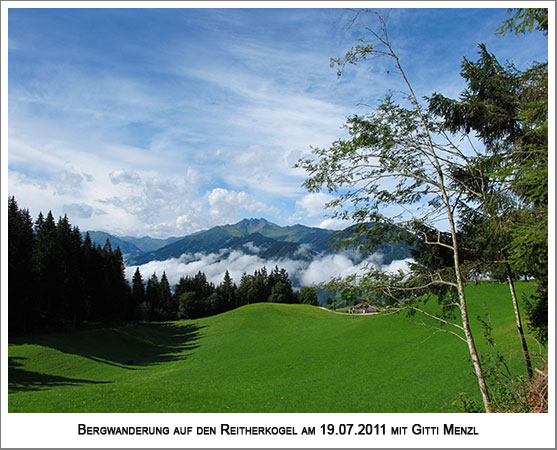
(69, 278)
(57, 280)
(117, 293)
(93, 269)
(281, 293)
(21, 304)
(184, 285)
(508, 110)
(89, 277)
(188, 305)
(138, 295)
(45, 265)
(152, 296)
(39, 222)
(168, 309)
(227, 294)
(259, 289)
(244, 290)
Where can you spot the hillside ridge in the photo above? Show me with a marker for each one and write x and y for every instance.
(250, 236)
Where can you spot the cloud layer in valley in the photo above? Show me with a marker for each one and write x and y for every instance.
(303, 273)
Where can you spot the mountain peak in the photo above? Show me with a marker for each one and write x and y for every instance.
(255, 221)
(272, 242)
(253, 225)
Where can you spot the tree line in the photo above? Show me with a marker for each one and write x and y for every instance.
(195, 297)
(58, 280)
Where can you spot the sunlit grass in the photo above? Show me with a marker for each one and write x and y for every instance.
(259, 358)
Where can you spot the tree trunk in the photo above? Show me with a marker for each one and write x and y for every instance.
(519, 322)
(472, 350)
(464, 311)
(468, 333)
(458, 273)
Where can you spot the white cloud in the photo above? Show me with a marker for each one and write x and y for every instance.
(313, 204)
(321, 269)
(69, 182)
(226, 204)
(213, 265)
(251, 247)
(334, 224)
(397, 265)
(327, 267)
(156, 205)
(304, 251)
(264, 170)
(124, 176)
(79, 210)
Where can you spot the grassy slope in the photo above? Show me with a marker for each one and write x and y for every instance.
(259, 358)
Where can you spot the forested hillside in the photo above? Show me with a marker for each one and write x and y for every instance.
(59, 280)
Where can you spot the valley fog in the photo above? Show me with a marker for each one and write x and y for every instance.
(302, 272)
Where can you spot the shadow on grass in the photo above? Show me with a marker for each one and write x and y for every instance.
(126, 347)
(20, 379)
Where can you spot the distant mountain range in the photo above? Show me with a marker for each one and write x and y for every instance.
(130, 247)
(251, 236)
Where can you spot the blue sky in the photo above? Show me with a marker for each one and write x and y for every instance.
(166, 121)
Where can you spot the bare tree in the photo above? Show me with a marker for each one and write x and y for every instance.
(398, 155)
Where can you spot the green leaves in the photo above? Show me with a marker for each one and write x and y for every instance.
(391, 143)
(525, 20)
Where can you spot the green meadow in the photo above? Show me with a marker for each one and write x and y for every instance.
(262, 357)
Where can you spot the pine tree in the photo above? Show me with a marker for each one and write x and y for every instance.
(21, 304)
(258, 290)
(184, 285)
(508, 110)
(69, 278)
(227, 294)
(152, 296)
(138, 295)
(244, 290)
(281, 293)
(45, 265)
(168, 309)
(188, 305)
(281, 287)
(57, 280)
(93, 269)
(39, 222)
(116, 290)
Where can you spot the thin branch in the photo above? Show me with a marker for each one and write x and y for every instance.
(437, 330)
(428, 242)
(431, 316)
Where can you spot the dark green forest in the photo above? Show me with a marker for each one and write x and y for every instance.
(59, 280)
